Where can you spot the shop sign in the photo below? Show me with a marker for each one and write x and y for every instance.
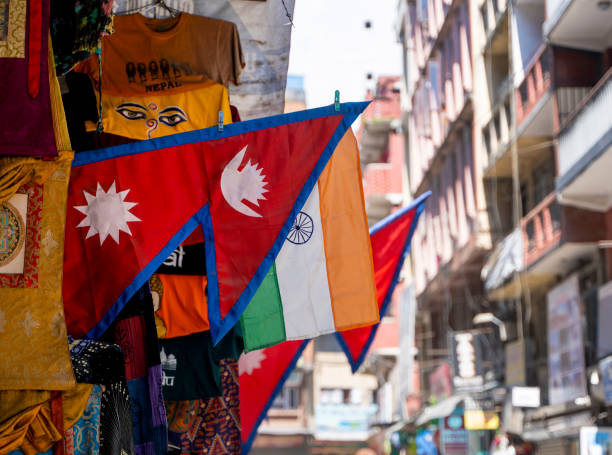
(567, 376)
(526, 397)
(454, 435)
(515, 363)
(425, 444)
(595, 440)
(477, 359)
(481, 420)
(467, 373)
(605, 367)
(440, 382)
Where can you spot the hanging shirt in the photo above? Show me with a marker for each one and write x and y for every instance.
(146, 56)
(165, 76)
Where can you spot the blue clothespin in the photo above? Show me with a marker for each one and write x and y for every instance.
(337, 101)
(220, 122)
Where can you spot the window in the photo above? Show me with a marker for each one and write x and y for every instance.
(288, 398)
(486, 139)
(507, 111)
(422, 10)
(436, 86)
(497, 125)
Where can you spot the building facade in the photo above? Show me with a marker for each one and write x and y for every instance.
(509, 124)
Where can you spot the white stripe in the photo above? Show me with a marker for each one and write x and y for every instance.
(302, 278)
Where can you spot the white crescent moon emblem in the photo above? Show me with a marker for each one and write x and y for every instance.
(247, 184)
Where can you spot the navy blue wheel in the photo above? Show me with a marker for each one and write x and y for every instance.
(302, 229)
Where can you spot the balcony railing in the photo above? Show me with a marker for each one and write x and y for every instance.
(586, 125)
(541, 229)
(536, 83)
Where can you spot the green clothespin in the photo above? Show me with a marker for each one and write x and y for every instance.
(337, 101)
(220, 122)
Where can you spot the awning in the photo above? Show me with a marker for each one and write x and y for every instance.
(440, 410)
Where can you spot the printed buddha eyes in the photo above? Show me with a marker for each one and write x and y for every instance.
(132, 111)
(172, 116)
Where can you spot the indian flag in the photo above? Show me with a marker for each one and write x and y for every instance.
(322, 280)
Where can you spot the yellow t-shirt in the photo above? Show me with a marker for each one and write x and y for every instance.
(151, 116)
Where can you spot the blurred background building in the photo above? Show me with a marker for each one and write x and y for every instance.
(498, 338)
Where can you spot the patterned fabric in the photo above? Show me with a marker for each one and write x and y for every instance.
(134, 331)
(96, 362)
(28, 130)
(210, 426)
(76, 30)
(33, 348)
(12, 28)
(86, 432)
(116, 421)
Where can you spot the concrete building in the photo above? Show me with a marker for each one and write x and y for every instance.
(445, 157)
(517, 238)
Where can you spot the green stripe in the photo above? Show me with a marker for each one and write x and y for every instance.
(262, 322)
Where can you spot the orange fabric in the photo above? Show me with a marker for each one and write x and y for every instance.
(180, 303)
(145, 56)
(32, 431)
(350, 276)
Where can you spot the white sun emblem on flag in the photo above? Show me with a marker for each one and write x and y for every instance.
(107, 213)
(251, 361)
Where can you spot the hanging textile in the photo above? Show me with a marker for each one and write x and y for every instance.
(30, 420)
(211, 425)
(265, 35)
(76, 30)
(134, 331)
(27, 127)
(116, 421)
(83, 438)
(161, 77)
(180, 304)
(191, 364)
(33, 347)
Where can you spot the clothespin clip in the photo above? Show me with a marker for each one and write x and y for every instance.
(337, 101)
(220, 122)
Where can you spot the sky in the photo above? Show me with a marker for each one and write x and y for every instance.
(333, 50)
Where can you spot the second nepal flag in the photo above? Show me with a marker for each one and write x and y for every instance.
(129, 207)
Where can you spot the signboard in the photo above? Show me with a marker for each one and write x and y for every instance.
(526, 397)
(515, 363)
(425, 444)
(477, 359)
(344, 421)
(566, 370)
(481, 420)
(595, 441)
(604, 320)
(454, 435)
(440, 382)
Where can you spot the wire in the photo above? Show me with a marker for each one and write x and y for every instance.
(100, 127)
(287, 13)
